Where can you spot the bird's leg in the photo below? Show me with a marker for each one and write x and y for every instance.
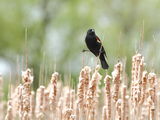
(85, 50)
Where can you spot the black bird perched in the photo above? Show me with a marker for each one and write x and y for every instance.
(94, 44)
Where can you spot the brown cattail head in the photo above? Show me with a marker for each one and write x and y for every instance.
(92, 90)
(107, 81)
(53, 91)
(143, 87)
(32, 104)
(137, 72)
(40, 102)
(25, 94)
(26, 76)
(84, 79)
(118, 109)
(116, 74)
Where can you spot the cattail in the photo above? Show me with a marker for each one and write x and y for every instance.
(136, 84)
(32, 103)
(68, 104)
(57, 102)
(73, 117)
(123, 106)
(26, 92)
(152, 113)
(144, 112)
(143, 89)
(80, 92)
(152, 94)
(92, 90)
(40, 102)
(27, 77)
(46, 101)
(150, 105)
(67, 98)
(60, 108)
(158, 106)
(53, 90)
(92, 115)
(127, 108)
(92, 93)
(107, 80)
(152, 85)
(118, 109)
(68, 114)
(116, 74)
(20, 101)
(87, 77)
(137, 70)
(9, 115)
(77, 112)
(25, 116)
(104, 115)
(84, 79)
(137, 67)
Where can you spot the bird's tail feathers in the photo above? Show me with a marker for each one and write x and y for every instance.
(103, 61)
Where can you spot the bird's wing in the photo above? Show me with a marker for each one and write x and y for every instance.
(102, 50)
(98, 40)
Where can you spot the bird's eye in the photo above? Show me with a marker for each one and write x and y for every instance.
(91, 30)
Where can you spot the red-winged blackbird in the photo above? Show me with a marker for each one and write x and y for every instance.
(94, 44)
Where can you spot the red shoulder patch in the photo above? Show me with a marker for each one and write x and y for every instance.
(98, 40)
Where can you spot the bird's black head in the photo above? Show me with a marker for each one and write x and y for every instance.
(91, 32)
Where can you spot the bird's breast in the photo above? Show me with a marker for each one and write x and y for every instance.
(92, 45)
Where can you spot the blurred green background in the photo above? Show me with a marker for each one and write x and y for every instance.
(48, 35)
